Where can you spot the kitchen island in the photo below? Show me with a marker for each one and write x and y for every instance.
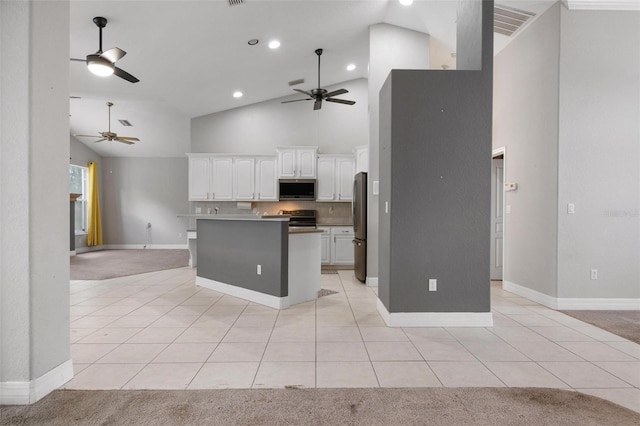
(258, 258)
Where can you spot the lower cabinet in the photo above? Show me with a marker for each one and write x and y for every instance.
(337, 245)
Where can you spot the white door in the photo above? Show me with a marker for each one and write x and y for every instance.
(497, 204)
(222, 178)
(306, 167)
(244, 179)
(266, 179)
(344, 178)
(326, 179)
(199, 178)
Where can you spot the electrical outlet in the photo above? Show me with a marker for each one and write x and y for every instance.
(433, 284)
(571, 208)
(259, 270)
(594, 274)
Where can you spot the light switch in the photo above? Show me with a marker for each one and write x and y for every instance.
(571, 208)
(376, 187)
(386, 207)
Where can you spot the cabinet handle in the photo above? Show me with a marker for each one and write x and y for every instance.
(213, 195)
(334, 239)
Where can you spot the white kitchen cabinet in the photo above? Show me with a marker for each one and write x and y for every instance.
(335, 177)
(362, 158)
(297, 162)
(342, 252)
(199, 178)
(244, 179)
(325, 245)
(267, 179)
(326, 184)
(222, 178)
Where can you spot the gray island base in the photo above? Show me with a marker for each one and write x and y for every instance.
(258, 259)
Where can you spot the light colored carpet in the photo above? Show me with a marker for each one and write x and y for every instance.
(442, 406)
(104, 264)
(621, 323)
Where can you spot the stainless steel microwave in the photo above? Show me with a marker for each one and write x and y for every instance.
(297, 189)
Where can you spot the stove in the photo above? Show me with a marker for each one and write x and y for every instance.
(301, 218)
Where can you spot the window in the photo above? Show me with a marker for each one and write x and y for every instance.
(78, 184)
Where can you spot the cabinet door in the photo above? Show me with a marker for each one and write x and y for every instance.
(344, 178)
(325, 249)
(362, 159)
(306, 167)
(342, 250)
(199, 169)
(267, 179)
(326, 179)
(222, 178)
(287, 163)
(244, 179)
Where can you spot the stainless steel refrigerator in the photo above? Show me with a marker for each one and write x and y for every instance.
(359, 204)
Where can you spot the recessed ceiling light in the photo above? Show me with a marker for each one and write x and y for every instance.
(253, 42)
(274, 44)
(351, 67)
(237, 94)
(406, 2)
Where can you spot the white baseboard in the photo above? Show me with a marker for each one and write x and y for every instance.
(372, 281)
(243, 293)
(572, 303)
(143, 246)
(23, 393)
(72, 253)
(435, 319)
(85, 249)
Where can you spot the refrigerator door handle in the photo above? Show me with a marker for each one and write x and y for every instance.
(356, 243)
(353, 207)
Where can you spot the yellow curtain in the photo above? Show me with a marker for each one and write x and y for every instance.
(94, 231)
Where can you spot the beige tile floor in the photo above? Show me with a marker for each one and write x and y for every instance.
(160, 331)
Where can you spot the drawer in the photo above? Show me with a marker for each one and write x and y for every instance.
(342, 230)
(325, 230)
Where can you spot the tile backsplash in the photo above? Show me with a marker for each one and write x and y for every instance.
(327, 213)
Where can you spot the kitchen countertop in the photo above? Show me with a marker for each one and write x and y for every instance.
(305, 231)
(279, 217)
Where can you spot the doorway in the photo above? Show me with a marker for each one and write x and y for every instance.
(497, 214)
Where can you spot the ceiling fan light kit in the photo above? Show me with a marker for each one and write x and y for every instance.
(318, 95)
(103, 63)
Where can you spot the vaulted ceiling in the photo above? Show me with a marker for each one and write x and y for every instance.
(190, 56)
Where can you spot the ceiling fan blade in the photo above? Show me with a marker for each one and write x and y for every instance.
(113, 54)
(340, 101)
(77, 60)
(123, 74)
(317, 104)
(128, 142)
(296, 100)
(88, 136)
(336, 93)
(129, 138)
(100, 140)
(303, 91)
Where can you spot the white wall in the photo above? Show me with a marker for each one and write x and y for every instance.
(34, 192)
(138, 191)
(599, 154)
(526, 123)
(260, 128)
(390, 47)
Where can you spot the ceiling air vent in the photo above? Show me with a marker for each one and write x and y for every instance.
(235, 2)
(125, 123)
(296, 82)
(508, 20)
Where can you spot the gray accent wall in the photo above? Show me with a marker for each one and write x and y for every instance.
(34, 191)
(390, 47)
(435, 173)
(526, 123)
(230, 250)
(599, 154)
(139, 191)
(262, 127)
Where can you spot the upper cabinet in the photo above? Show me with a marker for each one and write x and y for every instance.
(232, 178)
(362, 158)
(335, 177)
(297, 162)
